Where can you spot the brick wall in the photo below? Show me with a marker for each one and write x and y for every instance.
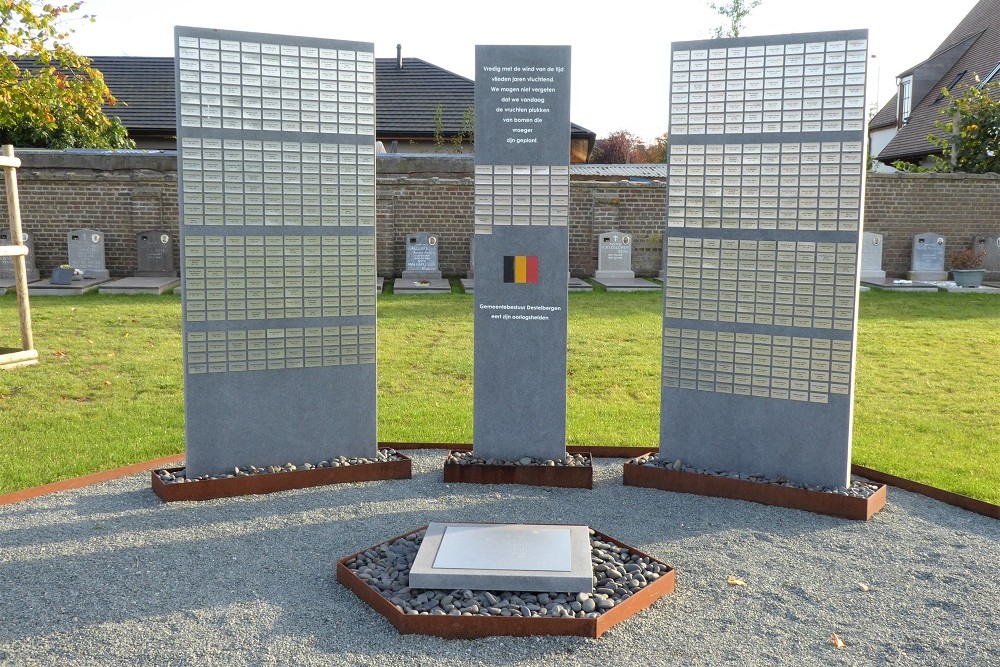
(124, 194)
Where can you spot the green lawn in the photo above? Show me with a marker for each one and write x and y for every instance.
(109, 389)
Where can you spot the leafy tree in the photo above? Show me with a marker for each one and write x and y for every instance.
(56, 103)
(735, 12)
(971, 136)
(621, 147)
(656, 152)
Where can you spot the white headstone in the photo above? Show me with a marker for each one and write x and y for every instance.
(614, 256)
(871, 257)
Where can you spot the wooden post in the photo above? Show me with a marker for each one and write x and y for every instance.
(9, 164)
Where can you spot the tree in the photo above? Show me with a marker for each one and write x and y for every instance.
(57, 101)
(621, 147)
(656, 152)
(735, 13)
(971, 141)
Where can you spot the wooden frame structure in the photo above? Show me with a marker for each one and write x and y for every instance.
(27, 355)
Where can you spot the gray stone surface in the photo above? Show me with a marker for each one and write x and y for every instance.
(422, 257)
(899, 285)
(627, 284)
(156, 254)
(421, 286)
(579, 285)
(871, 256)
(75, 288)
(278, 287)
(614, 257)
(139, 286)
(991, 246)
(760, 279)
(521, 251)
(927, 258)
(7, 263)
(85, 250)
(504, 557)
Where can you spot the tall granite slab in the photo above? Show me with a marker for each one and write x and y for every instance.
(85, 250)
(276, 138)
(767, 167)
(871, 256)
(421, 257)
(522, 251)
(614, 264)
(927, 258)
(7, 263)
(155, 249)
(991, 246)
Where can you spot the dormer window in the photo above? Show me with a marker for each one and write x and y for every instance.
(989, 77)
(905, 99)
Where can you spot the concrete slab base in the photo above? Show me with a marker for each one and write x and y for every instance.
(527, 557)
(468, 284)
(983, 289)
(76, 288)
(424, 286)
(139, 286)
(379, 284)
(927, 276)
(578, 285)
(889, 284)
(627, 284)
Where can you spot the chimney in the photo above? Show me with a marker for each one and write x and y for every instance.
(399, 56)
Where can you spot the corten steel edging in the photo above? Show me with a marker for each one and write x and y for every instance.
(566, 477)
(211, 489)
(818, 502)
(597, 451)
(958, 500)
(476, 626)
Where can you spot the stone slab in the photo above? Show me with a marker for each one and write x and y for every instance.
(425, 286)
(468, 284)
(521, 557)
(422, 257)
(379, 284)
(926, 276)
(627, 284)
(871, 256)
(890, 284)
(140, 285)
(579, 285)
(85, 250)
(76, 288)
(156, 254)
(983, 289)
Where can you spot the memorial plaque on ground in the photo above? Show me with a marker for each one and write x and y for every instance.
(927, 259)
(86, 253)
(522, 257)
(156, 254)
(767, 168)
(276, 140)
(991, 246)
(614, 256)
(421, 257)
(7, 263)
(871, 256)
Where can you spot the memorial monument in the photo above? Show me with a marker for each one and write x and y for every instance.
(7, 263)
(614, 264)
(871, 257)
(156, 273)
(927, 258)
(422, 274)
(85, 254)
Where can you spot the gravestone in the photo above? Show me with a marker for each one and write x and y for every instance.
(156, 254)
(767, 168)
(277, 203)
(422, 275)
(511, 557)
(927, 258)
(991, 246)
(7, 263)
(469, 282)
(871, 257)
(614, 264)
(86, 253)
(522, 251)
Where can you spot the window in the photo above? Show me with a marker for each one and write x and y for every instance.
(989, 77)
(905, 99)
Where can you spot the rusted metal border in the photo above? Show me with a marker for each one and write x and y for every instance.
(475, 627)
(566, 477)
(818, 502)
(949, 497)
(211, 489)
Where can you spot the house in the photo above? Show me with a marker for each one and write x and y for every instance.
(418, 105)
(899, 130)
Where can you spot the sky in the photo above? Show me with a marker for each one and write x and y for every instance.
(620, 53)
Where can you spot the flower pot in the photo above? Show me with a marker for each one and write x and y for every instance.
(968, 277)
(61, 276)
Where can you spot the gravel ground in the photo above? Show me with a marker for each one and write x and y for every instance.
(109, 575)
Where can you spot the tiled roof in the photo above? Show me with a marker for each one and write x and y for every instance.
(622, 170)
(980, 29)
(406, 98)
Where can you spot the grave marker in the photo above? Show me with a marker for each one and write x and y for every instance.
(156, 254)
(7, 263)
(927, 258)
(991, 246)
(421, 257)
(767, 155)
(277, 190)
(871, 256)
(614, 264)
(86, 253)
(522, 251)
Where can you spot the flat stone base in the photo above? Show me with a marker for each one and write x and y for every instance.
(478, 626)
(877, 276)
(75, 288)
(504, 557)
(140, 285)
(210, 489)
(927, 276)
(468, 284)
(627, 284)
(982, 289)
(566, 477)
(578, 285)
(817, 502)
(425, 286)
(379, 284)
(890, 285)
(7, 284)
